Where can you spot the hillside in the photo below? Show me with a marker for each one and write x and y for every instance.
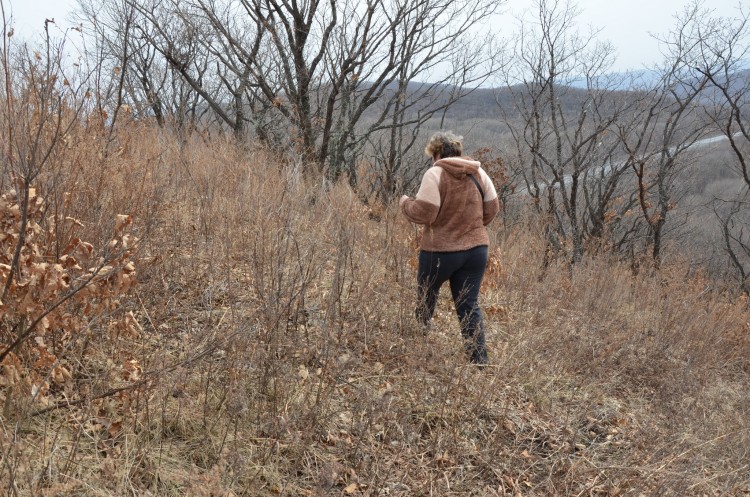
(490, 103)
(268, 348)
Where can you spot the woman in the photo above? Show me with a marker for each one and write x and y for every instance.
(455, 202)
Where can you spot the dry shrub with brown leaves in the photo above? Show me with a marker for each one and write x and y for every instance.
(277, 354)
(54, 294)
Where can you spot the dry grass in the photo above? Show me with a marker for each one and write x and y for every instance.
(280, 356)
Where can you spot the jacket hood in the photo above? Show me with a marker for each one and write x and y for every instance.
(459, 166)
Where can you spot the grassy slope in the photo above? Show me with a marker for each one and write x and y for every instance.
(282, 358)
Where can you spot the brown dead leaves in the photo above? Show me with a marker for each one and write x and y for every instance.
(52, 296)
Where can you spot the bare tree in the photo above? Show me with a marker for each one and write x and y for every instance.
(668, 121)
(595, 147)
(331, 73)
(131, 74)
(563, 106)
(721, 57)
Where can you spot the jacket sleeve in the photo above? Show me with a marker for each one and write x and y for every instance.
(491, 204)
(425, 207)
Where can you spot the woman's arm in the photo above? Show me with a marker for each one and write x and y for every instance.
(425, 207)
(491, 203)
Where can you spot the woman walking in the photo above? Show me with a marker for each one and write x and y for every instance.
(455, 202)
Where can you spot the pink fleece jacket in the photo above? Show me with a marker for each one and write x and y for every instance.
(451, 207)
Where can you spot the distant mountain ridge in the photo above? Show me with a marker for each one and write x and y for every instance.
(488, 103)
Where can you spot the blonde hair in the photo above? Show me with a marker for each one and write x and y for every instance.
(445, 144)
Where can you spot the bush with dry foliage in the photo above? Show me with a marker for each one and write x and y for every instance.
(58, 290)
(53, 298)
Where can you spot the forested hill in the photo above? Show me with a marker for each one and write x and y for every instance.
(494, 103)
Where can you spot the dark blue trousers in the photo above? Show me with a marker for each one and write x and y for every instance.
(464, 270)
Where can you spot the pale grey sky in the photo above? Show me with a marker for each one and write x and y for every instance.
(29, 15)
(626, 23)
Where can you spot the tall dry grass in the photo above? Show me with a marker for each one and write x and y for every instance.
(273, 352)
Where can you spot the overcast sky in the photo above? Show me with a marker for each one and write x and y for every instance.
(626, 23)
